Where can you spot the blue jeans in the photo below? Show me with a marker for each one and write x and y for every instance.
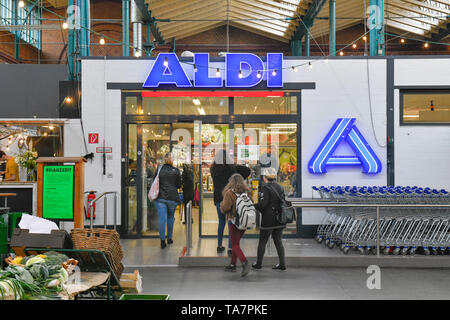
(166, 215)
(222, 220)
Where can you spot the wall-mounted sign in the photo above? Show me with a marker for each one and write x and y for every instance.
(344, 129)
(57, 192)
(93, 138)
(242, 70)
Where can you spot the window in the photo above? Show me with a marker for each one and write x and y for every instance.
(185, 105)
(265, 105)
(425, 106)
(28, 17)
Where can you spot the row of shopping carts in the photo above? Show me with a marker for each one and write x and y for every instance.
(403, 230)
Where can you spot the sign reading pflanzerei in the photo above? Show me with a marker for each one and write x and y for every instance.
(58, 192)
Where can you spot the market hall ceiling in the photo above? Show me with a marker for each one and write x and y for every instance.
(279, 19)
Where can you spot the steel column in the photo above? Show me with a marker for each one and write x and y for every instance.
(373, 22)
(296, 47)
(125, 28)
(71, 39)
(380, 33)
(307, 43)
(332, 29)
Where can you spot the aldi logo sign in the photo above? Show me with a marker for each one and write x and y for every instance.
(242, 70)
(344, 129)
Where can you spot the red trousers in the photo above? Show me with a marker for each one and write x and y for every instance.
(235, 238)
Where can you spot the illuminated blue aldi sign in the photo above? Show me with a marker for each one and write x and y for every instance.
(344, 129)
(242, 70)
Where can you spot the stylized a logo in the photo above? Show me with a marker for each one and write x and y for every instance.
(344, 129)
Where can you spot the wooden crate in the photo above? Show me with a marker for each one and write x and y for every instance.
(131, 282)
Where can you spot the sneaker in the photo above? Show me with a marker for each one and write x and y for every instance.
(220, 249)
(279, 267)
(245, 268)
(169, 241)
(230, 252)
(163, 244)
(256, 266)
(230, 268)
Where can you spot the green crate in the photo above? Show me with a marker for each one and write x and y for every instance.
(13, 222)
(3, 238)
(144, 297)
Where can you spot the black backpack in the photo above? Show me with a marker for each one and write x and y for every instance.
(287, 211)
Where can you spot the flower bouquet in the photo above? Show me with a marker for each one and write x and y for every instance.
(28, 160)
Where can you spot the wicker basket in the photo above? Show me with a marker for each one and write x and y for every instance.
(104, 240)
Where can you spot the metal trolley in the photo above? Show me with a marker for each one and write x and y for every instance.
(403, 228)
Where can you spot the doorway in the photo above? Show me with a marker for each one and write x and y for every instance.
(193, 129)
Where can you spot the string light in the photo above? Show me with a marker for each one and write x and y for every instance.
(402, 40)
(341, 53)
(102, 41)
(364, 38)
(258, 75)
(195, 68)
(326, 60)
(65, 25)
(240, 74)
(137, 54)
(310, 65)
(354, 46)
(426, 45)
(68, 99)
(21, 4)
(294, 68)
(274, 72)
(218, 72)
(166, 63)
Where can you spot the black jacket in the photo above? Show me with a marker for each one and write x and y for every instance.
(187, 178)
(269, 204)
(169, 182)
(221, 173)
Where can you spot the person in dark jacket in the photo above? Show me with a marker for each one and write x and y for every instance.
(187, 178)
(221, 171)
(168, 199)
(269, 204)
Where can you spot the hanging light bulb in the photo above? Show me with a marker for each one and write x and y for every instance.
(258, 75)
(218, 72)
(137, 54)
(274, 72)
(402, 40)
(310, 65)
(364, 38)
(166, 63)
(240, 74)
(68, 100)
(426, 45)
(326, 60)
(341, 53)
(102, 41)
(7, 148)
(354, 46)
(21, 4)
(65, 25)
(195, 68)
(294, 68)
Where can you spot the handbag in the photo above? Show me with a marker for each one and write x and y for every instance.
(154, 189)
(287, 212)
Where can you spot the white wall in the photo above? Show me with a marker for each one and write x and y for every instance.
(341, 91)
(422, 153)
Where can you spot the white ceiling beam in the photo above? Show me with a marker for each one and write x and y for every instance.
(400, 16)
(199, 29)
(270, 33)
(247, 15)
(427, 6)
(197, 12)
(267, 25)
(404, 27)
(259, 5)
(210, 14)
(287, 7)
(262, 13)
(402, 5)
(171, 7)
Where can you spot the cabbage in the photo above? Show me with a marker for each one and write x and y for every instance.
(34, 260)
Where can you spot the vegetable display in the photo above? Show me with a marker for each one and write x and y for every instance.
(35, 277)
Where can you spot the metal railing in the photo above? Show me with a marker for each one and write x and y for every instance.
(311, 203)
(188, 209)
(105, 208)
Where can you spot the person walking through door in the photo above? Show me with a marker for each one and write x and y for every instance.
(187, 178)
(168, 199)
(269, 204)
(221, 170)
(235, 187)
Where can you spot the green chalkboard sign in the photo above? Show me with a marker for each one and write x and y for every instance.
(57, 193)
